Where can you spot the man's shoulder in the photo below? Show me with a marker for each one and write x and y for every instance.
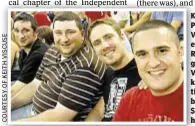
(86, 52)
(109, 72)
(52, 51)
(89, 59)
(52, 56)
(39, 48)
(136, 93)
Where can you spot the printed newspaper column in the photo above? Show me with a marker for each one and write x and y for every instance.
(192, 79)
(4, 78)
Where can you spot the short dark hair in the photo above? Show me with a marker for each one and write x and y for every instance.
(107, 21)
(44, 32)
(153, 24)
(68, 15)
(23, 16)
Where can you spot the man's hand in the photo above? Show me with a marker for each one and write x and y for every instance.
(58, 114)
(142, 85)
(97, 113)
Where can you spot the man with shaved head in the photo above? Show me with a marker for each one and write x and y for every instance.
(158, 56)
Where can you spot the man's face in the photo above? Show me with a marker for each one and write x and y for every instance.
(24, 33)
(158, 59)
(67, 37)
(107, 44)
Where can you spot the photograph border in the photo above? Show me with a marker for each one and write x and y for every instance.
(100, 123)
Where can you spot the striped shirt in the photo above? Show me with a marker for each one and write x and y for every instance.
(75, 82)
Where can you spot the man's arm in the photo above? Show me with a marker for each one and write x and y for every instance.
(25, 95)
(177, 20)
(122, 23)
(27, 74)
(97, 113)
(176, 24)
(23, 90)
(143, 19)
(59, 113)
(14, 51)
(16, 87)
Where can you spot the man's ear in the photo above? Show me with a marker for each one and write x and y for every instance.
(35, 34)
(122, 36)
(181, 51)
(82, 34)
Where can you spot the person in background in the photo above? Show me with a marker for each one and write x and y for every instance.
(94, 15)
(175, 18)
(123, 20)
(45, 34)
(51, 15)
(14, 46)
(121, 17)
(42, 18)
(129, 30)
(14, 51)
(15, 70)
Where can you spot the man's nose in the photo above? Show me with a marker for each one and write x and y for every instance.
(154, 61)
(64, 38)
(20, 35)
(105, 45)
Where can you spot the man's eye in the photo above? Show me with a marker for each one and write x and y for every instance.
(58, 33)
(26, 30)
(16, 30)
(108, 37)
(96, 43)
(141, 54)
(163, 51)
(70, 32)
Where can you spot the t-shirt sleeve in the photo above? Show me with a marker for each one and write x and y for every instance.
(30, 68)
(79, 89)
(124, 107)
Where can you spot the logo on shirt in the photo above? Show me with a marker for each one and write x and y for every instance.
(117, 89)
(156, 118)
